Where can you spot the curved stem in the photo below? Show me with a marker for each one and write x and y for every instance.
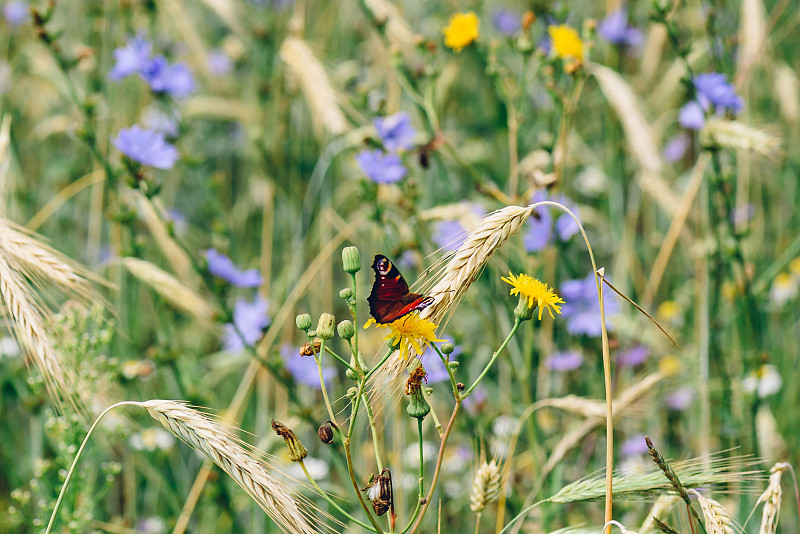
(520, 515)
(517, 322)
(325, 496)
(78, 456)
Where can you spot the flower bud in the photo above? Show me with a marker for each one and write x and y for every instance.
(447, 348)
(303, 321)
(346, 329)
(351, 393)
(528, 18)
(453, 366)
(346, 294)
(523, 312)
(325, 432)
(325, 326)
(296, 449)
(351, 260)
(418, 407)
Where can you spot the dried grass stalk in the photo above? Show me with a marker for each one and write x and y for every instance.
(638, 135)
(717, 518)
(5, 160)
(739, 136)
(786, 89)
(314, 83)
(397, 29)
(468, 262)
(772, 500)
(171, 289)
(177, 258)
(252, 474)
(752, 39)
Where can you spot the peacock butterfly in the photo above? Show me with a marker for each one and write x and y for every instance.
(390, 298)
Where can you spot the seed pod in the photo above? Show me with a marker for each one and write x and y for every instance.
(379, 492)
(418, 407)
(325, 432)
(308, 350)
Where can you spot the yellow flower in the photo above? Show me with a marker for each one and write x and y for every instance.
(409, 333)
(536, 292)
(461, 30)
(566, 42)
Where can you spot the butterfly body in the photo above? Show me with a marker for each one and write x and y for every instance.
(390, 298)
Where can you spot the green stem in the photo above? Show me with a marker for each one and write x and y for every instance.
(517, 322)
(349, 458)
(446, 361)
(318, 360)
(421, 460)
(341, 360)
(325, 496)
(374, 428)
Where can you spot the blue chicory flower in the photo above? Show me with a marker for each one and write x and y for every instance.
(160, 120)
(616, 30)
(395, 131)
(507, 21)
(16, 13)
(634, 446)
(713, 89)
(175, 80)
(582, 309)
(380, 167)
(676, 147)
(634, 356)
(223, 267)
(565, 361)
(250, 318)
(133, 58)
(219, 64)
(148, 147)
(691, 116)
(304, 369)
(540, 229)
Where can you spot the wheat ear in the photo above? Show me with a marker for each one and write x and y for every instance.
(772, 500)
(486, 485)
(253, 475)
(468, 262)
(171, 289)
(718, 520)
(314, 83)
(739, 136)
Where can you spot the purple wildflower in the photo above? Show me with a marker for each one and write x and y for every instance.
(634, 356)
(16, 13)
(582, 308)
(146, 146)
(449, 235)
(615, 29)
(133, 58)
(565, 361)
(742, 213)
(303, 368)
(395, 131)
(219, 63)
(162, 121)
(175, 80)
(223, 267)
(680, 399)
(692, 116)
(250, 319)
(380, 167)
(507, 21)
(634, 446)
(540, 230)
(676, 147)
(713, 89)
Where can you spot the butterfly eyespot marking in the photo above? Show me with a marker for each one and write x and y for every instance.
(390, 298)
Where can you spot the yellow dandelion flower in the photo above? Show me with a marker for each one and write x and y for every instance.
(461, 30)
(536, 292)
(410, 333)
(566, 42)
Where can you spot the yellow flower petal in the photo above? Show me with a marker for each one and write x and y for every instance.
(536, 292)
(566, 42)
(461, 30)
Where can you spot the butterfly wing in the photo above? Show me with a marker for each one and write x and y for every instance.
(390, 298)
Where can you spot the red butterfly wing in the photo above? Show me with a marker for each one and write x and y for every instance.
(390, 298)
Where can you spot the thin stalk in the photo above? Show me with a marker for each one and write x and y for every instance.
(517, 322)
(477, 522)
(374, 428)
(354, 313)
(446, 361)
(325, 496)
(318, 360)
(349, 458)
(520, 515)
(421, 461)
(450, 424)
(77, 457)
(341, 360)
